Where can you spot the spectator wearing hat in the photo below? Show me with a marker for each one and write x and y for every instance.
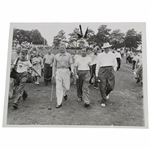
(48, 61)
(82, 73)
(21, 64)
(118, 57)
(105, 67)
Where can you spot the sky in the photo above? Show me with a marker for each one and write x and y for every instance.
(49, 30)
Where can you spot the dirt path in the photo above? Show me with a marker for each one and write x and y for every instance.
(125, 107)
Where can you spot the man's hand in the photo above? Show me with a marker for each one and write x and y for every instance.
(71, 74)
(97, 80)
(77, 77)
(115, 69)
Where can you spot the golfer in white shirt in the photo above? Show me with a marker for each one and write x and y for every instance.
(62, 62)
(82, 72)
(105, 67)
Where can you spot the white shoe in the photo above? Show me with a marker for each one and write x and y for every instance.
(107, 96)
(102, 104)
(35, 82)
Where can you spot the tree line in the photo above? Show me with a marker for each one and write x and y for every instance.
(33, 37)
(130, 39)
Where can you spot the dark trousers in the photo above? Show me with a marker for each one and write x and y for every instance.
(47, 73)
(93, 69)
(82, 84)
(133, 64)
(21, 79)
(107, 81)
(119, 63)
(128, 59)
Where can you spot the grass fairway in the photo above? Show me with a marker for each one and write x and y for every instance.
(124, 108)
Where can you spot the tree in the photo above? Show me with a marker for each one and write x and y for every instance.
(90, 37)
(102, 36)
(33, 36)
(132, 39)
(37, 37)
(73, 38)
(116, 38)
(58, 38)
(21, 36)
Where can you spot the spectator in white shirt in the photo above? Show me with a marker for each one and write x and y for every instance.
(82, 72)
(134, 60)
(21, 64)
(48, 63)
(105, 67)
(118, 57)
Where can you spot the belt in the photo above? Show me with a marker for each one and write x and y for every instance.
(105, 66)
(62, 68)
(47, 64)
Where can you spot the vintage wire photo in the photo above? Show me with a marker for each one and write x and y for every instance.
(76, 74)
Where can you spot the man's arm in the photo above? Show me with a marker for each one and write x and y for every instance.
(115, 64)
(71, 64)
(52, 61)
(97, 67)
(75, 72)
(54, 68)
(44, 60)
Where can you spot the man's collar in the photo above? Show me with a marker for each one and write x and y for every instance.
(106, 53)
(63, 54)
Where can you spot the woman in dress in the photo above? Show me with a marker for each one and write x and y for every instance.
(37, 63)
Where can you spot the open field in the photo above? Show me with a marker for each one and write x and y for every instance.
(124, 108)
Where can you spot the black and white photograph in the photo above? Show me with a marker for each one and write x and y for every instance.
(90, 74)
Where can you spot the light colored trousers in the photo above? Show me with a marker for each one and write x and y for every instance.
(62, 84)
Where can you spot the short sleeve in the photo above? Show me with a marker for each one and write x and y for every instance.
(90, 61)
(44, 57)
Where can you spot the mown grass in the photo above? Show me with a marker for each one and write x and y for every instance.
(124, 108)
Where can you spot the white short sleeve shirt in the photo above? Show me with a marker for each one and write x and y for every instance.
(22, 66)
(83, 63)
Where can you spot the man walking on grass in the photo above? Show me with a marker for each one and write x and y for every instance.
(48, 63)
(82, 73)
(21, 65)
(105, 67)
(62, 63)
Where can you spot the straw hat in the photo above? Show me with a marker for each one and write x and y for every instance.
(106, 45)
